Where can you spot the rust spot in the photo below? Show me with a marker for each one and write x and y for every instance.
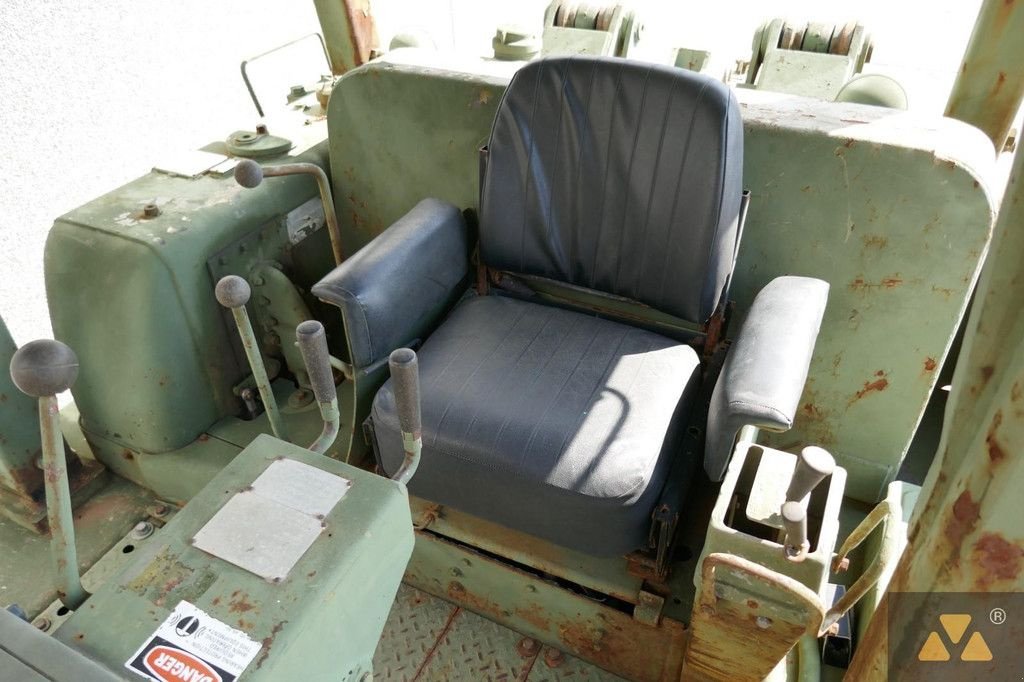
(849, 143)
(535, 616)
(986, 373)
(80, 636)
(875, 241)
(311, 574)
(752, 604)
(930, 364)
(997, 558)
(876, 386)
(805, 188)
(240, 604)
(965, 515)
(996, 453)
(128, 454)
(1000, 81)
(891, 282)
(458, 592)
(269, 642)
(3, 397)
(244, 624)
(203, 437)
(216, 601)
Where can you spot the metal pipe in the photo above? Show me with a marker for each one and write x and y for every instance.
(233, 293)
(250, 174)
(989, 86)
(42, 369)
(312, 342)
(405, 376)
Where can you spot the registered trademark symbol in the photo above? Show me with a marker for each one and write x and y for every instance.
(997, 616)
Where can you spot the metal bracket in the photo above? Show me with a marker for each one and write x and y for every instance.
(648, 608)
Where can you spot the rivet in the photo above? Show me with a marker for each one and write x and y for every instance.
(763, 622)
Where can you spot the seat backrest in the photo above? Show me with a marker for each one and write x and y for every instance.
(619, 176)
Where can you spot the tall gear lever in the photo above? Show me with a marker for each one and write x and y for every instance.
(405, 375)
(250, 174)
(312, 341)
(42, 369)
(233, 293)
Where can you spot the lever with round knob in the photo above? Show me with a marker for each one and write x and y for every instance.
(813, 464)
(42, 369)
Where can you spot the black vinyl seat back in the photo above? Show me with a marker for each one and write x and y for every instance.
(618, 176)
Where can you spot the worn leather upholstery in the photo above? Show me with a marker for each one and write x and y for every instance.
(545, 420)
(766, 368)
(395, 289)
(619, 176)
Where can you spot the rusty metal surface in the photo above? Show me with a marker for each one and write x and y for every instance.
(427, 638)
(349, 30)
(989, 87)
(586, 628)
(747, 618)
(965, 535)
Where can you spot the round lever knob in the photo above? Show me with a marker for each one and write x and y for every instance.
(313, 345)
(248, 173)
(44, 368)
(232, 291)
(812, 465)
(794, 523)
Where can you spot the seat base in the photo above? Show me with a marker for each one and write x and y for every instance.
(549, 421)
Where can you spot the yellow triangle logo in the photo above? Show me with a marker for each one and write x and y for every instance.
(933, 649)
(976, 649)
(955, 625)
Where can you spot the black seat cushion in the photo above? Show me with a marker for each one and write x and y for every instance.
(616, 175)
(552, 422)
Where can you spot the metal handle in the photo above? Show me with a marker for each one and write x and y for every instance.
(233, 293)
(813, 464)
(42, 369)
(405, 377)
(312, 340)
(250, 174)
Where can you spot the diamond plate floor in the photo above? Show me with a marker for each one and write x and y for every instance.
(429, 640)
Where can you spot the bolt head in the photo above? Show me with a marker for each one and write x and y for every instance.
(44, 368)
(232, 291)
(142, 529)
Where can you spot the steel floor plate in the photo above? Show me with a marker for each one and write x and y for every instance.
(427, 639)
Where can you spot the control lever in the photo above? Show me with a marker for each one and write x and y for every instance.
(250, 174)
(794, 524)
(405, 375)
(233, 293)
(813, 464)
(313, 345)
(42, 369)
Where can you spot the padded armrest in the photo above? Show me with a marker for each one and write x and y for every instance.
(396, 287)
(764, 373)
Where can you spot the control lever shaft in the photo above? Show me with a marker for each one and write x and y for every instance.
(405, 377)
(42, 369)
(233, 293)
(250, 174)
(312, 341)
(813, 464)
(794, 524)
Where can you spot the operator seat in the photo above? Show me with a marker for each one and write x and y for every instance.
(615, 178)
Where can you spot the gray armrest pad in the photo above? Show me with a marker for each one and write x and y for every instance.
(764, 373)
(396, 287)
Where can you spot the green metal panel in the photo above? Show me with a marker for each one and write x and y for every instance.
(320, 622)
(891, 208)
(133, 296)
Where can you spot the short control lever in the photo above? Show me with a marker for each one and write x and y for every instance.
(794, 524)
(312, 341)
(42, 369)
(405, 376)
(250, 174)
(233, 293)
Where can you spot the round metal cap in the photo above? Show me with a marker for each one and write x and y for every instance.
(232, 291)
(817, 460)
(44, 368)
(248, 173)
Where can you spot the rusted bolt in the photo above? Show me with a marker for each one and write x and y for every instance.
(261, 129)
(528, 647)
(142, 530)
(763, 622)
(42, 624)
(844, 564)
(159, 510)
(553, 657)
(150, 210)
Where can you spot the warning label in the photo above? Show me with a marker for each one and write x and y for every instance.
(191, 646)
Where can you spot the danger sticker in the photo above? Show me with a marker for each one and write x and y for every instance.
(192, 646)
